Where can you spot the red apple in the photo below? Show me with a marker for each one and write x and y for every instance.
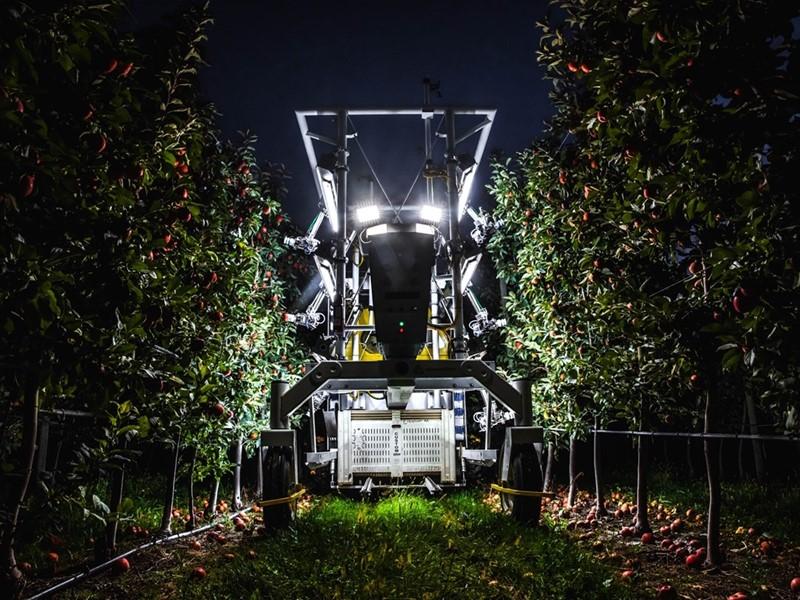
(585, 68)
(121, 565)
(562, 178)
(111, 66)
(694, 378)
(198, 573)
(647, 538)
(218, 409)
(794, 585)
(572, 67)
(661, 37)
(666, 592)
(586, 216)
(627, 574)
(666, 543)
(738, 596)
(53, 557)
(693, 561)
(126, 69)
(694, 267)
(601, 118)
(26, 185)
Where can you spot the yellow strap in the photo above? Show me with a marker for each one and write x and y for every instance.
(532, 494)
(274, 502)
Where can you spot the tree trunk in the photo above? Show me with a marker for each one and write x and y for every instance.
(758, 450)
(169, 492)
(117, 488)
(237, 474)
(711, 452)
(600, 501)
(573, 471)
(192, 461)
(11, 578)
(211, 509)
(549, 470)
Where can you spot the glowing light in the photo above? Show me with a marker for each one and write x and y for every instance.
(378, 230)
(327, 183)
(468, 270)
(326, 273)
(431, 214)
(368, 214)
(464, 188)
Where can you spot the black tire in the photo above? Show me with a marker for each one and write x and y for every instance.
(524, 473)
(277, 484)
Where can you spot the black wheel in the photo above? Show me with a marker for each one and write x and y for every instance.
(277, 484)
(524, 473)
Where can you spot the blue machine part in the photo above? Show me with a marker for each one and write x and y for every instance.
(459, 412)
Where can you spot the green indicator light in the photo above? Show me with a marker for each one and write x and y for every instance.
(402, 324)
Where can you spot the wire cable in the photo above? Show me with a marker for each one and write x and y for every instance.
(369, 164)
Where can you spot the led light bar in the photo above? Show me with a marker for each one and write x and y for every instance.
(327, 183)
(326, 273)
(468, 270)
(464, 188)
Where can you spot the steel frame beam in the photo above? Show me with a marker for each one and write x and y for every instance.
(349, 376)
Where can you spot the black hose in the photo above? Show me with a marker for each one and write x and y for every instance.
(70, 581)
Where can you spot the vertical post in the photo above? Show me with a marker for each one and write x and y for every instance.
(115, 502)
(487, 411)
(44, 437)
(525, 418)
(192, 516)
(276, 419)
(237, 473)
(341, 240)
(456, 250)
(169, 493)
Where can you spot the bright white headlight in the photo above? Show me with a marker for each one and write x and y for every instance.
(429, 213)
(367, 214)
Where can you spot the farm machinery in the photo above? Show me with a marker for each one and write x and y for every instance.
(386, 400)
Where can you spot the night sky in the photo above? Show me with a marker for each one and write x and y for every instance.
(269, 58)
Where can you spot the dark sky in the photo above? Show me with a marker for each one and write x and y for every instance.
(269, 58)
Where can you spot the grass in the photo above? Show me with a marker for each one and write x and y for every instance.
(403, 546)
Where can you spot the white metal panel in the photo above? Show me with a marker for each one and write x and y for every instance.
(396, 443)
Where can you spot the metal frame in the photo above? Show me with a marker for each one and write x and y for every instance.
(400, 379)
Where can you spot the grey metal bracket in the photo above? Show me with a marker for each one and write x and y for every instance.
(432, 487)
(366, 489)
(485, 458)
(315, 460)
(286, 438)
(517, 437)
